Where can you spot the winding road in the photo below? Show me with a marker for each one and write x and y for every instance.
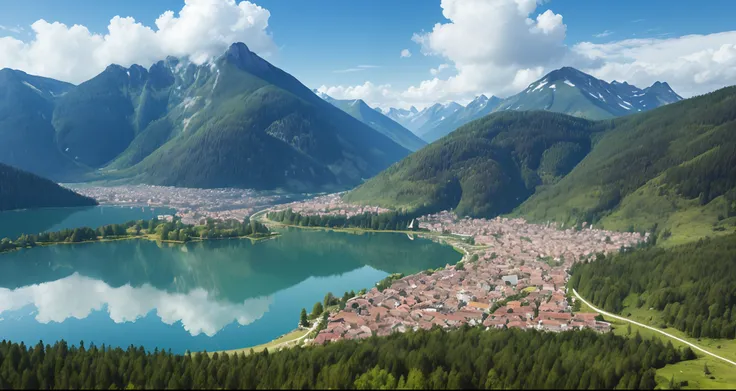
(608, 314)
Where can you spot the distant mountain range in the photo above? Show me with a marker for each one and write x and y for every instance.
(235, 122)
(672, 168)
(359, 110)
(23, 190)
(566, 90)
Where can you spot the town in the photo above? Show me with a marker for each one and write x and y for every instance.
(513, 275)
(330, 204)
(191, 204)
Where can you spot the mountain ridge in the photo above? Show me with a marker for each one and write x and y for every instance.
(245, 122)
(360, 110)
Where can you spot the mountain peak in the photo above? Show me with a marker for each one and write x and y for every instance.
(413, 110)
(239, 55)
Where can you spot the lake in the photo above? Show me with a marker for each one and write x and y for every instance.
(32, 221)
(215, 295)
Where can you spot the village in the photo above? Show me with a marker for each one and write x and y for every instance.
(513, 275)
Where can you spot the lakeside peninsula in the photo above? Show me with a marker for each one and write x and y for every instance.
(169, 229)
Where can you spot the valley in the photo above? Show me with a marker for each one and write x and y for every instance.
(454, 194)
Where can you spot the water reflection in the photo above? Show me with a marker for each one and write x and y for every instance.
(77, 296)
(209, 295)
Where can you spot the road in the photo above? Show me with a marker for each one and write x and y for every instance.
(314, 327)
(610, 315)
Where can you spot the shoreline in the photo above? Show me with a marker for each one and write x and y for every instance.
(443, 238)
(273, 235)
(281, 344)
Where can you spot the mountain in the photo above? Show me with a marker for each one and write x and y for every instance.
(401, 116)
(479, 107)
(236, 122)
(433, 116)
(565, 90)
(27, 138)
(359, 110)
(484, 168)
(570, 91)
(23, 190)
(98, 119)
(673, 167)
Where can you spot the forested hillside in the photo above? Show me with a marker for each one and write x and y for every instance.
(674, 167)
(27, 138)
(466, 358)
(241, 122)
(22, 190)
(694, 285)
(486, 167)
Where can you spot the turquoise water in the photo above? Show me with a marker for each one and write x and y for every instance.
(32, 221)
(215, 295)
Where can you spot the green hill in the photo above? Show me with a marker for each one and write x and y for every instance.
(674, 167)
(686, 285)
(23, 190)
(486, 167)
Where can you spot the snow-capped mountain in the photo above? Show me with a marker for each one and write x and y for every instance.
(565, 90)
(479, 107)
(570, 91)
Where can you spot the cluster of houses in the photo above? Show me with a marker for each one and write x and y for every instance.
(513, 276)
(329, 205)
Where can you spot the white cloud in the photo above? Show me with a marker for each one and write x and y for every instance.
(356, 69)
(691, 64)
(16, 30)
(405, 53)
(603, 34)
(77, 297)
(488, 43)
(440, 68)
(497, 47)
(202, 29)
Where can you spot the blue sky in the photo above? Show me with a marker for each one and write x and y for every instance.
(315, 40)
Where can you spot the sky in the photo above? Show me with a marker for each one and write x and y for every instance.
(390, 53)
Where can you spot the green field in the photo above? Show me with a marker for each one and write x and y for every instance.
(691, 371)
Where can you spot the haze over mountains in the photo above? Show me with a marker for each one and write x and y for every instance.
(235, 122)
(359, 110)
(565, 90)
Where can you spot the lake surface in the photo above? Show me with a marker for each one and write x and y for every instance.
(33, 221)
(215, 295)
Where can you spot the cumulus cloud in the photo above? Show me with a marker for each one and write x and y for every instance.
(198, 311)
(691, 64)
(489, 43)
(405, 53)
(440, 68)
(499, 47)
(201, 29)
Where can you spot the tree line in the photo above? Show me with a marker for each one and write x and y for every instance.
(434, 359)
(693, 285)
(396, 221)
(173, 230)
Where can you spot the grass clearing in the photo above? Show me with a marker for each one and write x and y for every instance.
(692, 371)
(296, 334)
